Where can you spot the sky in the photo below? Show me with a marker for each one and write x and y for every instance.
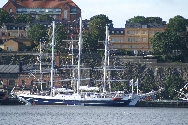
(121, 10)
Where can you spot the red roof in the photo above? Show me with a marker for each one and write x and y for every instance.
(45, 4)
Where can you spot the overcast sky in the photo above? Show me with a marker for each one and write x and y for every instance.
(121, 10)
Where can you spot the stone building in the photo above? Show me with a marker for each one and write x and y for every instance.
(135, 36)
(58, 9)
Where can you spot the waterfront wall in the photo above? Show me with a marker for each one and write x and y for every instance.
(137, 67)
(144, 69)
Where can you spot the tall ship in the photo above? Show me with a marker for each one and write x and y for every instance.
(77, 97)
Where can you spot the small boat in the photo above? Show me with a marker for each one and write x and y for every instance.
(8, 99)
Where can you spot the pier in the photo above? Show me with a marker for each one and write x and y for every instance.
(163, 103)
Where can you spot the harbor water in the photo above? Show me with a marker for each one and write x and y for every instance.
(83, 115)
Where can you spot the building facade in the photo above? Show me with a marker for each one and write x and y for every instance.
(58, 9)
(135, 36)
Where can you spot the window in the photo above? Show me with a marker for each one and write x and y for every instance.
(23, 82)
(144, 32)
(128, 32)
(144, 26)
(132, 40)
(117, 40)
(54, 16)
(10, 10)
(128, 39)
(73, 10)
(121, 46)
(132, 32)
(155, 32)
(116, 46)
(65, 14)
(112, 31)
(122, 40)
(136, 39)
(143, 39)
(117, 31)
(150, 32)
(136, 32)
(121, 31)
(11, 82)
(112, 39)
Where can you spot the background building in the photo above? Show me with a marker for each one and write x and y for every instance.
(58, 9)
(135, 36)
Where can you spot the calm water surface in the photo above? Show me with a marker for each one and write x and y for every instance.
(80, 115)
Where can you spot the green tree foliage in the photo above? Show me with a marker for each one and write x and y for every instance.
(138, 19)
(97, 31)
(143, 20)
(177, 24)
(89, 43)
(5, 17)
(24, 18)
(147, 85)
(164, 42)
(174, 38)
(60, 34)
(97, 26)
(45, 17)
(36, 32)
(173, 84)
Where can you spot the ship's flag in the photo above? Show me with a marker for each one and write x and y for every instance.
(131, 82)
(136, 83)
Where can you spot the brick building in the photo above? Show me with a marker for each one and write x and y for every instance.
(58, 9)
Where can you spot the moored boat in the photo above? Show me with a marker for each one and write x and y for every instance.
(8, 99)
(75, 97)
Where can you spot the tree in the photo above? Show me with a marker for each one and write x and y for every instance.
(60, 34)
(5, 17)
(98, 24)
(97, 31)
(177, 24)
(36, 32)
(24, 18)
(173, 84)
(138, 19)
(45, 17)
(89, 43)
(143, 20)
(164, 43)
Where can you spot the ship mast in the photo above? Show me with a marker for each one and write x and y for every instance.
(105, 58)
(79, 54)
(52, 65)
